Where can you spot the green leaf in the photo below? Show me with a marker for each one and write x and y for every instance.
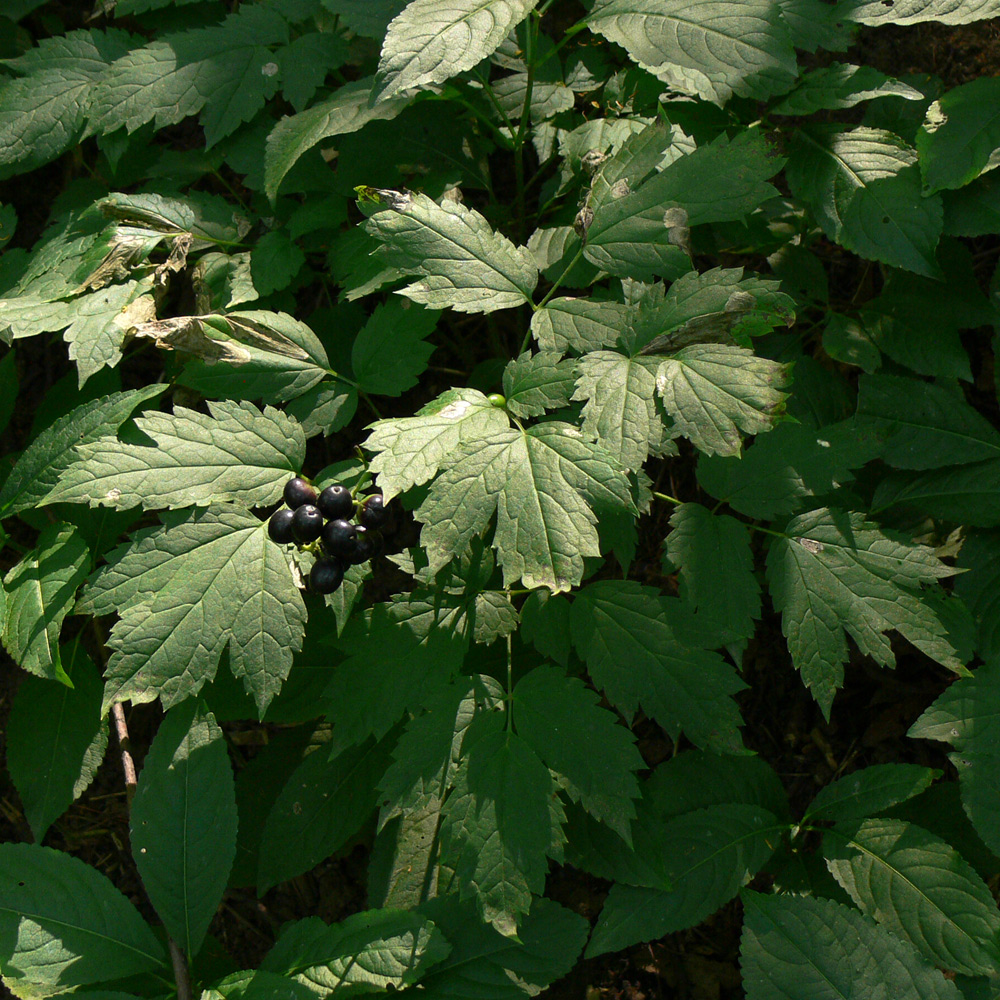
(620, 409)
(43, 113)
(832, 572)
(925, 425)
(345, 110)
(965, 494)
(63, 924)
(495, 830)
(396, 653)
(371, 951)
(244, 355)
(960, 137)
(413, 788)
(711, 51)
(56, 739)
(233, 453)
(391, 350)
(717, 306)
(55, 449)
(40, 591)
(712, 552)
(183, 830)
(864, 188)
(325, 408)
(626, 634)
(327, 798)
(967, 716)
(713, 391)
(870, 790)
(561, 721)
(185, 592)
(641, 213)
(708, 854)
(579, 325)
(796, 946)
(791, 463)
(534, 383)
(842, 85)
(369, 19)
(275, 261)
(974, 210)
(978, 586)
(915, 11)
(429, 41)
(226, 72)
(920, 888)
(543, 484)
(464, 264)
(484, 963)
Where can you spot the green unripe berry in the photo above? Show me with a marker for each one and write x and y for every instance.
(497, 399)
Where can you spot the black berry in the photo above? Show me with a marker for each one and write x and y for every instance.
(279, 527)
(298, 492)
(367, 545)
(326, 576)
(307, 523)
(340, 538)
(373, 512)
(336, 502)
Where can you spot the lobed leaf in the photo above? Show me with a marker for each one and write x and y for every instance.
(464, 264)
(185, 592)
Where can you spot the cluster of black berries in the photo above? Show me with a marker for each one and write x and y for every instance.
(327, 517)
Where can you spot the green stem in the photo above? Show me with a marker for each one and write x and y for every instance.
(557, 284)
(529, 49)
(510, 680)
(668, 498)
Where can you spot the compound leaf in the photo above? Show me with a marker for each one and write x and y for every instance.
(186, 591)
(543, 484)
(431, 40)
(183, 831)
(579, 325)
(799, 946)
(921, 889)
(40, 591)
(233, 453)
(465, 265)
(411, 450)
(833, 572)
(624, 632)
(712, 50)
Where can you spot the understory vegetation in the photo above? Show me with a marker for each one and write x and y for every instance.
(500, 496)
